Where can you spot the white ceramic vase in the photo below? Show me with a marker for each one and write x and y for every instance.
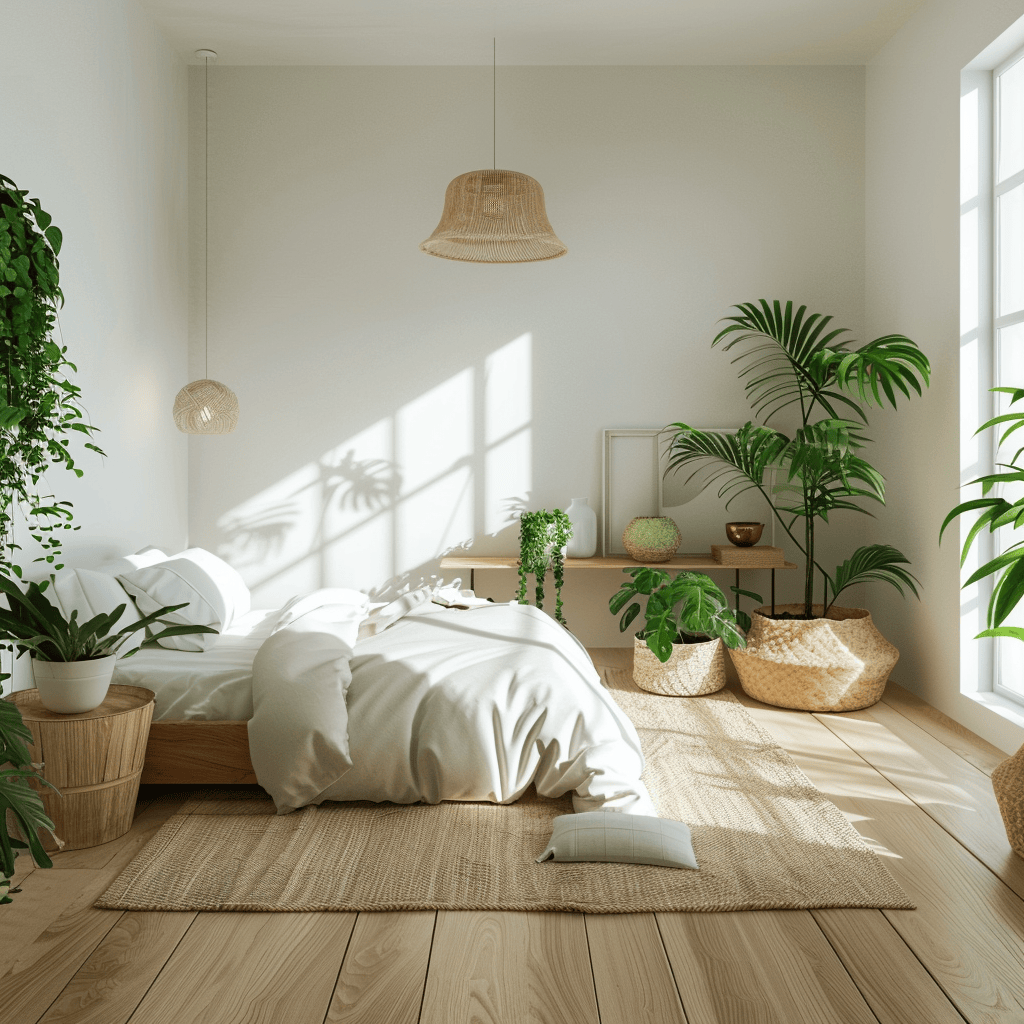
(583, 542)
(73, 687)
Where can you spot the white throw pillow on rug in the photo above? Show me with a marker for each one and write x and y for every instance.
(620, 839)
(214, 593)
(91, 593)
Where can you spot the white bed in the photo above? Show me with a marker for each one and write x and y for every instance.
(410, 701)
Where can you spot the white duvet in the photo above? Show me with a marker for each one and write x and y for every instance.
(438, 704)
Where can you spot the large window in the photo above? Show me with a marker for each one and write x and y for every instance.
(992, 312)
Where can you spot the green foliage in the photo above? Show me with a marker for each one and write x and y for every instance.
(542, 536)
(39, 406)
(17, 798)
(687, 605)
(797, 360)
(995, 512)
(31, 623)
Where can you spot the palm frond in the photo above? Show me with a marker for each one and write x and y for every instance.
(880, 562)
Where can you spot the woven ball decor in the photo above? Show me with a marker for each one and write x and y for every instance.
(1008, 783)
(206, 407)
(494, 217)
(693, 669)
(838, 663)
(651, 538)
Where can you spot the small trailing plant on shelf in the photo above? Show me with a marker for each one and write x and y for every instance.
(682, 609)
(795, 360)
(543, 536)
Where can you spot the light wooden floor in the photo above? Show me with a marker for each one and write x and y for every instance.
(914, 784)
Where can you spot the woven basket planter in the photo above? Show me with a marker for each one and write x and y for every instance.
(651, 538)
(692, 670)
(1008, 783)
(838, 663)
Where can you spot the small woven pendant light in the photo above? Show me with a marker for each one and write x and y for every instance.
(494, 216)
(206, 406)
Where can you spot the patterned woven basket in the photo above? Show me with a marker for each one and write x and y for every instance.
(837, 663)
(692, 670)
(1008, 783)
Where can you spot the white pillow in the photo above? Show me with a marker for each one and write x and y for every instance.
(129, 563)
(215, 594)
(620, 839)
(91, 593)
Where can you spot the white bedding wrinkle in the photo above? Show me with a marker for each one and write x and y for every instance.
(298, 733)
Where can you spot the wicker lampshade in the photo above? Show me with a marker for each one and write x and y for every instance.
(205, 407)
(494, 217)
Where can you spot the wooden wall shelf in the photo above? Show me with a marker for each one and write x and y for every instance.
(697, 562)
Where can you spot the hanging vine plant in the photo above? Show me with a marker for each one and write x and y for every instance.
(39, 405)
(542, 539)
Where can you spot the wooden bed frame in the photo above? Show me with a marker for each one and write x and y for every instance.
(190, 752)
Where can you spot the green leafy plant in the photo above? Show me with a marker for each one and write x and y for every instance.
(31, 623)
(792, 360)
(542, 539)
(995, 513)
(39, 406)
(686, 608)
(17, 798)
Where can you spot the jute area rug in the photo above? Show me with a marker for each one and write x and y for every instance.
(764, 837)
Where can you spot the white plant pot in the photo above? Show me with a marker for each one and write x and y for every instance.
(73, 687)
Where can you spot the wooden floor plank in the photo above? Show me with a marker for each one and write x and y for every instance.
(631, 971)
(759, 967)
(509, 968)
(108, 987)
(968, 930)
(891, 979)
(952, 734)
(952, 791)
(385, 969)
(241, 968)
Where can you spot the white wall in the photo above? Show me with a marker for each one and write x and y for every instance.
(394, 404)
(95, 125)
(912, 286)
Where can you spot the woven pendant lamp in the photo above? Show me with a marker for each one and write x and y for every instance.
(206, 406)
(494, 216)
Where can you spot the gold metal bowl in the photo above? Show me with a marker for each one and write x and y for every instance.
(743, 535)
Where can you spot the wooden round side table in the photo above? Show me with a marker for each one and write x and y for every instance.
(95, 760)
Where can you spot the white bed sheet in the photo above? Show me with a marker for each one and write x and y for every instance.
(213, 685)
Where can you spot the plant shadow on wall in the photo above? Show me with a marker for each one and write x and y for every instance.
(376, 512)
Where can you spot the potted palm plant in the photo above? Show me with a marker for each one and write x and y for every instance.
(995, 512)
(814, 656)
(73, 662)
(687, 625)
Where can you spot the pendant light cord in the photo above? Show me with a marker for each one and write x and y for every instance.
(206, 230)
(494, 103)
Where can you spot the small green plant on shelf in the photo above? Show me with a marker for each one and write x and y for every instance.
(542, 539)
(686, 608)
